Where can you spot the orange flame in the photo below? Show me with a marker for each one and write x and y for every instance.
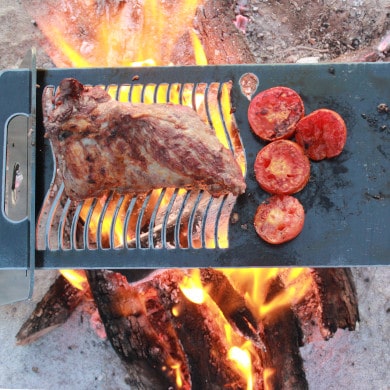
(267, 374)
(200, 55)
(76, 278)
(241, 355)
(191, 286)
(178, 373)
(88, 34)
(243, 360)
(254, 284)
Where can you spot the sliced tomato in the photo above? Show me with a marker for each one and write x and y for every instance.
(282, 167)
(279, 219)
(322, 134)
(273, 113)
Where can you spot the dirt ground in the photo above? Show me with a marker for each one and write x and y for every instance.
(287, 30)
(283, 31)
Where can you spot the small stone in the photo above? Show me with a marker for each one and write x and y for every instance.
(234, 218)
(382, 107)
(308, 60)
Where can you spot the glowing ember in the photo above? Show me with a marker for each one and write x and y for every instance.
(267, 375)
(243, 360)
(179, 378)
(192, 287)
(242, 357)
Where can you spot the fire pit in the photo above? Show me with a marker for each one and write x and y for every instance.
(99, 378)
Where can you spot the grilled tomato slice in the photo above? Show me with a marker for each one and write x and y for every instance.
(274, 112)
(282, 167)
(279, 219)
(322, 134)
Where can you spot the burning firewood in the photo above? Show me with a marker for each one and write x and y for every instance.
(282, 332)
(51, 312)
(201, 328)
(333, 293)
(137, 336)
(232, 304)
(153, 322)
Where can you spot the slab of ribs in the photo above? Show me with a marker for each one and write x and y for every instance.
(101, 144)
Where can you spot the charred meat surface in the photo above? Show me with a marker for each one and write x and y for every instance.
(101, 144)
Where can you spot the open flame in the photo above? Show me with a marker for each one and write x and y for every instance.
(243, 360)
(267, 375)
(76, 278)
(126, 33)
(253, 284)
(192, 288)
(130, 34)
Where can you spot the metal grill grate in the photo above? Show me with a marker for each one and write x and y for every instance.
(165, 218)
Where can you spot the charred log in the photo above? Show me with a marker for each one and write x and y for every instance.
(51, 312)
(149, 351)
(336, 291)
(152, 325)
(201, 330)
(331, 302)
(282, 338)
(232, 304)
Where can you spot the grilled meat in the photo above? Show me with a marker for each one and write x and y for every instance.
(101, 144)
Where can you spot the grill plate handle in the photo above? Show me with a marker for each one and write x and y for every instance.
(16, 169)
(17, 216)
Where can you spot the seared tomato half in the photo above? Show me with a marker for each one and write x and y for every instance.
(273, 113)
(322, 134)
(282, 167)
(279, 219)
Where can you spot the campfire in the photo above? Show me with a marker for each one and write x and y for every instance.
(178, 328)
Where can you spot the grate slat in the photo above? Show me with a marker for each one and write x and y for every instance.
(191, 220)
(64, 242)
(102, 216)
(152, 221)
(166, 218)
(86, 236)
(129, 213)
(114, 222)
(178, 220)
(73, 230)
(51, 223)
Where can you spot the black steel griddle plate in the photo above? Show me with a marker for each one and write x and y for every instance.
(347, 200)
